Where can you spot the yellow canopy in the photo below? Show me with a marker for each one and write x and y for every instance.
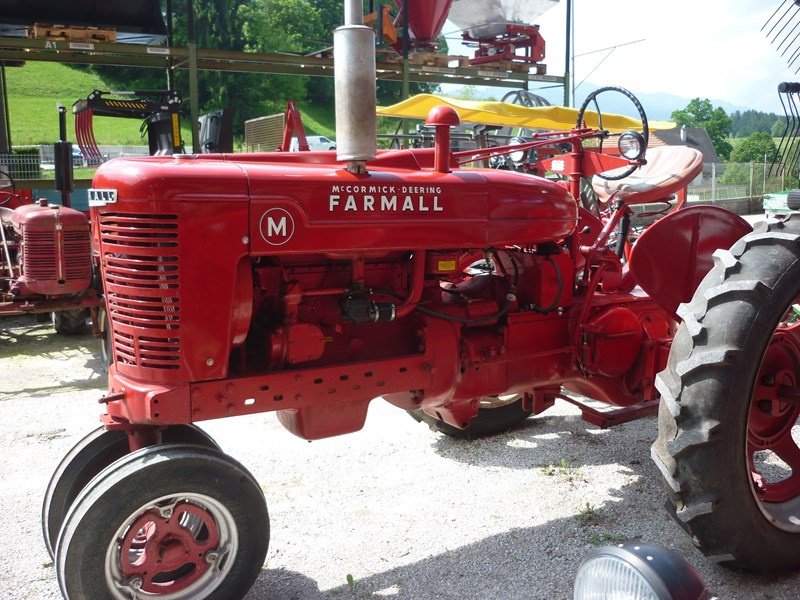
(487, 112)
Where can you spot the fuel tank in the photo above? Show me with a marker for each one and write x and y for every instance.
(307, 203)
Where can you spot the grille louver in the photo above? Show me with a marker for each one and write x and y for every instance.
(142, 282)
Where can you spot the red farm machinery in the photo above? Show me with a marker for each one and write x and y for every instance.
(471, 297)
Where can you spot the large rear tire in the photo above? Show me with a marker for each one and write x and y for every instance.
(496, 415)
(86, 459)
(729, 436)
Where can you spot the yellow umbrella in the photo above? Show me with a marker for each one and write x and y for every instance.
(487, 112)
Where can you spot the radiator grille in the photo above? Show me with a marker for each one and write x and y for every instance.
(41, 255)
(142, 281)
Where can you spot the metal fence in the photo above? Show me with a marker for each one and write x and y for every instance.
(37, 162)
(737, 181)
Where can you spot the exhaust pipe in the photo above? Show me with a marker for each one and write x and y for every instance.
(354, 77)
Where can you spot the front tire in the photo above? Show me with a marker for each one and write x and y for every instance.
(726, 449)
(86, 459)
(168, 521)
(71, 322)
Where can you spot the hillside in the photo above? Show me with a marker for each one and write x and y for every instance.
(33, 93)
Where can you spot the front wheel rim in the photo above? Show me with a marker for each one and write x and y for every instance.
(773, 429)
(177, 547)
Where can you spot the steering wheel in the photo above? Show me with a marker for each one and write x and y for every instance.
(592, 98)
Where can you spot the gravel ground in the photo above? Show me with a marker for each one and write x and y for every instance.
(393, 511)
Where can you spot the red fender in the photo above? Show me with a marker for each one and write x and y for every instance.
(671, 258)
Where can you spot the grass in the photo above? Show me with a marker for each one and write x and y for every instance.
(35, 89)
(563, 471)
(589, 515)
(33, 93)
(318, 120)
(606, 538)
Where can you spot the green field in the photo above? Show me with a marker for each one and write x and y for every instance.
(35, 89)
(33, 93)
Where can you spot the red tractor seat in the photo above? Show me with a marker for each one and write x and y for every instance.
(668, 170)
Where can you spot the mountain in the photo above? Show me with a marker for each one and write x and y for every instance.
(657, 105)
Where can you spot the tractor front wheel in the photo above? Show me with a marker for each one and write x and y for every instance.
(729, 429)
(496, 414)
(167, 521)
(90, 456)
(71, 322)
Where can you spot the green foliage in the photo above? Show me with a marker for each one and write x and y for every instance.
(736, 174)
(701, 113)
(756, 147)
(35, 89)
(295, 26)
(779, 128)
(751, 121)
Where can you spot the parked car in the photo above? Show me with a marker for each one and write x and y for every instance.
(77, 157)
(315, 142)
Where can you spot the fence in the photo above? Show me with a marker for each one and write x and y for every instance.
(739, 181)
(36, 162)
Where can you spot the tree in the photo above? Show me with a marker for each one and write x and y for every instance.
(701, 113)
(756, 147)
(749, 121)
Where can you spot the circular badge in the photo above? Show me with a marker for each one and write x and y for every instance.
(276, 226)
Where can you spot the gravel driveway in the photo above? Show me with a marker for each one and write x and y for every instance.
(394, 511)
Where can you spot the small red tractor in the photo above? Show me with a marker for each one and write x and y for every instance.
(472, 297)
(46, 264)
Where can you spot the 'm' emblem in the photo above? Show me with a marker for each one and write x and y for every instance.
(276, 226)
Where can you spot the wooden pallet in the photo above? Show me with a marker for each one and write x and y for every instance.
(429, 59)
(73, 33)
(513, 67)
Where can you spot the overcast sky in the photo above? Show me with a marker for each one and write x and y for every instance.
(708, 48)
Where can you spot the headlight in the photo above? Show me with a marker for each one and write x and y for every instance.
(519, 155)
(632, 145)
(637, 572)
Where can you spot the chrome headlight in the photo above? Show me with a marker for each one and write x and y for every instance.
(519, 155)
(632, 145)
(633, 571)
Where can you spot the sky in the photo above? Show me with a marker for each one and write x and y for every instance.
(692, 48)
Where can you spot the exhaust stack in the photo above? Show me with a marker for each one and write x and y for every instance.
(354, 77)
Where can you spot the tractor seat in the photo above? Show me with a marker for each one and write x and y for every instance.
(668, 170)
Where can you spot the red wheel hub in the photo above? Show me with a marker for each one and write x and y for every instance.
(774, 412)
(167, 548)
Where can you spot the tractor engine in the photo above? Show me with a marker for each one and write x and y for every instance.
(232, 288)
(46, 252)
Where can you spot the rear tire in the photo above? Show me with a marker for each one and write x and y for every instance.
(490, 420)
(90, 456)
(167, 521)
(734, 351)
(71, 322)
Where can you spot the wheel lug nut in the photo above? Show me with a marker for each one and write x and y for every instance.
(768, 380)
(764, 406)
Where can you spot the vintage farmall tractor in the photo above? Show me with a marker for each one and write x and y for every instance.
(46, 264)
(45, 251)
(341, 277)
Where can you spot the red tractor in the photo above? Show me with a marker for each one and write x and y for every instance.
(46, 265)
(473, 297)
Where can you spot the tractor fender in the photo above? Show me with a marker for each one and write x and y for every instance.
(673, 255)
